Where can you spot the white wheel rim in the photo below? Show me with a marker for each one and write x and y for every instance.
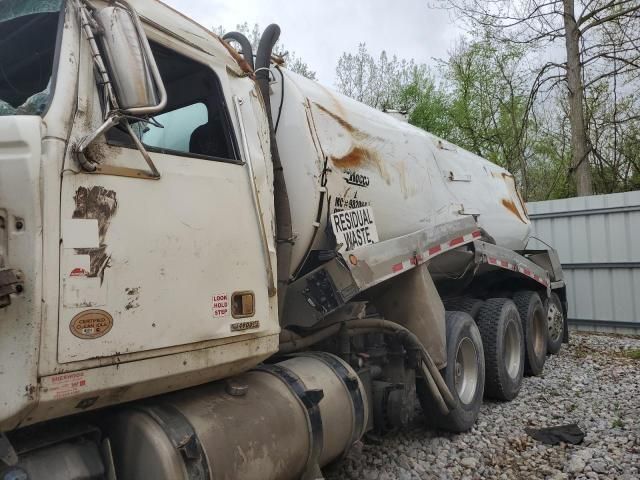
(555, 321)
(466, 370)
(512, 350)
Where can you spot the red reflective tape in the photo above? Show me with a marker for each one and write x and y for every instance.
(434, 250)
(456, 241)
(476, 234)
(527, 272)
(419, 258)
(504, 263)
(397, 267)
(413, 261)
(492, 260)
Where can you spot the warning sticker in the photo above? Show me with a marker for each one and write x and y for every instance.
(354, 228)
(220, 305)
(66, 384)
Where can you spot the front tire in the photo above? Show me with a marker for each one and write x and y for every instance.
(464, 375)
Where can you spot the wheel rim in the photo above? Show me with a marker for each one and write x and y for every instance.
(466, 374)
(555, 321)
(512, 350)
(539, 334)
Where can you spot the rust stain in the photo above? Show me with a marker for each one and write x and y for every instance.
(333, 99)
(100, 204)
(355, 158)
(509, 205)
(343, 123)
(359, 155)
(362, 157)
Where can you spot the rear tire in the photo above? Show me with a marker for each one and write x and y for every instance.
(536, 331)
(464, 375)
(556, 323)
(464, 304)
(503, 340)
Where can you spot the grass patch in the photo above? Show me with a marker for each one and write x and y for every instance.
(617, 423)
(633, 354)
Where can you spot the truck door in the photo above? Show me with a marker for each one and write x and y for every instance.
(150, 264)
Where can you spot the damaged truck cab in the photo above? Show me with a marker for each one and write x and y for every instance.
(196, 244)
(104, 256)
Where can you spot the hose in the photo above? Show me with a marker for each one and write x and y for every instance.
(284, 229)
(245, 45)
(305, 342)
(439, 390)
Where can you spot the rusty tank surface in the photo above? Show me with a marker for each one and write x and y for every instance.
(339, 154)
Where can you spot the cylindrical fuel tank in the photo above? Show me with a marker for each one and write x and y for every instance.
(339, 154)
(276, 422)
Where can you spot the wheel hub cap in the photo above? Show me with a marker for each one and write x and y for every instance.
(555, 321)
(466, 371)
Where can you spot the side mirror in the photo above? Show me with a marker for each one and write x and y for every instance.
(132, 83)
(136, 81)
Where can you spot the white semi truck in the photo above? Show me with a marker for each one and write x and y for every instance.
(211, 267)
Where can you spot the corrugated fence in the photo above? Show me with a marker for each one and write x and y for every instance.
(598, 240)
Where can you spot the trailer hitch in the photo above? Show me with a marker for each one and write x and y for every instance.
(11, 281)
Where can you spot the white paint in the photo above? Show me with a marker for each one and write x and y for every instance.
(83, 292)
(80, 233)
(354, 228)
(76, 265)
(403, 172)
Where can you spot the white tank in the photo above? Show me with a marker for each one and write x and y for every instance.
(344, 154)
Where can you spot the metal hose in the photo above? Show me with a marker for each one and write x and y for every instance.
(284, 228)
(441, 393)
(245, 45)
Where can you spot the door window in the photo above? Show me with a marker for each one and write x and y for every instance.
(195, 121)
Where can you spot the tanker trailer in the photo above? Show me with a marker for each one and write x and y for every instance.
(211, 267)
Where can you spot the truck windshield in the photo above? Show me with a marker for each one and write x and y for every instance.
(28, 31)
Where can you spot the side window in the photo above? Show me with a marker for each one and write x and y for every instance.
(179, 127)
(195, 122)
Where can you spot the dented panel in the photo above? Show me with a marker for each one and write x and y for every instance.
(412, 179)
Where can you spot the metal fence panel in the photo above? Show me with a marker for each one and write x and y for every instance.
(597, 238)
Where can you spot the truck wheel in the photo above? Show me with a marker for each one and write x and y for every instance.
(464, 375)
(503, 340)
(534, 325)
(464, 304)
(556, 321)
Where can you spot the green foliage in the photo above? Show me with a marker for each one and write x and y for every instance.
(634, 354)
(380, 83)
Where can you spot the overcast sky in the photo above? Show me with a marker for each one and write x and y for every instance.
(319, 31)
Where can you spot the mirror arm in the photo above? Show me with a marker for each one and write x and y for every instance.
(143, 151)
(86, 142)
(91, 167)
(152, 65)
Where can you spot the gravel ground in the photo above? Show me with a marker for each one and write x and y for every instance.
(592, 382)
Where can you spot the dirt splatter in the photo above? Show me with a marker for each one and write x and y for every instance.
(134, 296)
(100, 204)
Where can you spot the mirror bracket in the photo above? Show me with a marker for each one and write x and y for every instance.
(97, 168)
(115, 115)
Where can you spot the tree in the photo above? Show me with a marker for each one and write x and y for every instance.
(253, 34)
(380, 83)
(600, 39)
